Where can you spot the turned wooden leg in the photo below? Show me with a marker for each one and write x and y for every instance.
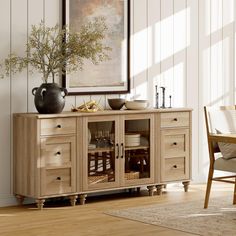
(82, 199)
(40, 203)
(73, 199)
(20, 199)
(151, 190)
(186, 184)
(159, 189)
(138, 190)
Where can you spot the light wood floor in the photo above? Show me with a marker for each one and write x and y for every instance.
(59, 219)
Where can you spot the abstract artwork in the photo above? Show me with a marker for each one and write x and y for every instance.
(111, 76)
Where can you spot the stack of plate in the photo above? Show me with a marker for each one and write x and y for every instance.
(132, 139)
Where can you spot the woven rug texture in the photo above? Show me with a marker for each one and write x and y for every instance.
(218, 219)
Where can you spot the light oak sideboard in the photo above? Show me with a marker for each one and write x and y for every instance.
(73, 153)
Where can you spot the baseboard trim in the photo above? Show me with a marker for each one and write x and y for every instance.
(7, 200)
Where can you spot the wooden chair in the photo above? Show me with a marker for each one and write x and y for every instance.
(219, 163)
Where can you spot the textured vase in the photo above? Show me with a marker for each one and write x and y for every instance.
(49, 98)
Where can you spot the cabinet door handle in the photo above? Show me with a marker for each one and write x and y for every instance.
(122, 149)
(117, 151)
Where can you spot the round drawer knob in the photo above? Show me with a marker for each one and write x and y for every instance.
(58, 153)
(175, 119)
(58, 178)
(175, 143)
(175, 166)
(58, 126)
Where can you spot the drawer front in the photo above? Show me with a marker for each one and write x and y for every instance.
(57, 181)
(57, 154)
(174, 143)
(175, 169)
(58, 126)
(174, 119)
(175, 154)
(58, 151)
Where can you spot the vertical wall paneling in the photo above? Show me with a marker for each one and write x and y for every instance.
(19, 81)
(154, 47)
(19, 28)
(5, 104)
(167, 45)
(180, 44)
(35, 16)
(192, 89)
(140, 37)
(228, 51)
(52, 14)
(204, 79)
(216, 53)
(234, 45)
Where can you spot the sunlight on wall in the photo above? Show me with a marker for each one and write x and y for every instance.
(181, 33)
(228, 12)
(179, 85)
(139, 40)
(216, 15)
(141, 91)
(216, 73)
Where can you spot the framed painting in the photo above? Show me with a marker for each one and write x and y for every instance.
(111, 76)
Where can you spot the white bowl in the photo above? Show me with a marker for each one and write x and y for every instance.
(136, 104)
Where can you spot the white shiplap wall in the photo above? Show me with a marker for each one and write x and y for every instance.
(186, 45)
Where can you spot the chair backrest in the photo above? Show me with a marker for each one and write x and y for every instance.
(219, 119)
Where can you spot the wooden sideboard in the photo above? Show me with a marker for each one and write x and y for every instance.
(73, 154)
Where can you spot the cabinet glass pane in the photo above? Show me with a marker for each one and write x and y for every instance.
(137, 149)
(101, 152)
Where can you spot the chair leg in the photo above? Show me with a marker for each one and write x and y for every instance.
(209, 182)
(234, 201)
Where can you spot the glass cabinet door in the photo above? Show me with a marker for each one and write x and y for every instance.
(137, 146)
(101, 154)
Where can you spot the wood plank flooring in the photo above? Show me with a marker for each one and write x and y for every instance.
(60, 219)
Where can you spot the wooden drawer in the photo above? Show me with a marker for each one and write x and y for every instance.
(175, 169)
(57, 181)
(174, 119)
(57, 126)
(57, 151)
(174, 142)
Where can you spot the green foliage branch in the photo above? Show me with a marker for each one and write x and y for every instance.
(55, 50)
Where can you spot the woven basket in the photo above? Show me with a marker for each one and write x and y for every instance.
(132, 175)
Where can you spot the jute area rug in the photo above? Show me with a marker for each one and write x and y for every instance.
(218, 219)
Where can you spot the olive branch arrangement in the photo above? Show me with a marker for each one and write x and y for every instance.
(54, 50)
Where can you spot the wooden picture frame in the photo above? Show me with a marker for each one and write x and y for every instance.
(112, 76)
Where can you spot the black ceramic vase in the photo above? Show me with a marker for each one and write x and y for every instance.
(49, 98)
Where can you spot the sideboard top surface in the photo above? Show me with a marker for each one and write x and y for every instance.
(101, 113)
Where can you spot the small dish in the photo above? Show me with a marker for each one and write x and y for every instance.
(136, 104)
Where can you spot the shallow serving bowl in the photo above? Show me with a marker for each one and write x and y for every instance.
(116, 103)
(136, 104)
